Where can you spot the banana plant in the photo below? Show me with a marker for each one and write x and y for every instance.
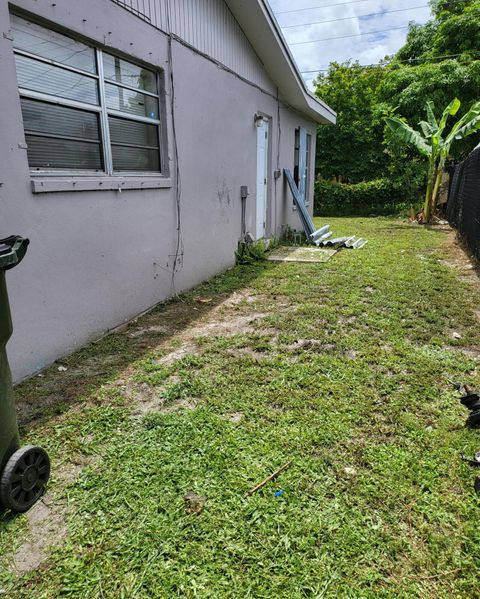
(432, 143)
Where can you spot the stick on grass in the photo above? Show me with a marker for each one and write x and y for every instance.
(268, 479)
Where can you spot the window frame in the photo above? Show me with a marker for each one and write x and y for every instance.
(296, 163)
(296, 155)
(107, 172)
(308, 168)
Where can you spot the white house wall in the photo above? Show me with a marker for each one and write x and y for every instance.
(98, 258)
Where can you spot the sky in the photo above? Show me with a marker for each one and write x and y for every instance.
(347, 18)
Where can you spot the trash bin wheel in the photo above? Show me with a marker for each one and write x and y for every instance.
(24, 478)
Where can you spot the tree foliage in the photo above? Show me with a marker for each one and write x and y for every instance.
(419, 42)
(454, 31)
(439, 60)
(349, 151)
(408, 89)
(380, 196)
(444, 9)
(458, 34)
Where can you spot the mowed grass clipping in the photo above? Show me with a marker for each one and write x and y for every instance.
(346, 369)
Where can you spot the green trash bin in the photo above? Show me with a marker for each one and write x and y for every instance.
(24, 471)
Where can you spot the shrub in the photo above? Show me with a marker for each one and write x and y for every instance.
(249, 253)
(379, 197)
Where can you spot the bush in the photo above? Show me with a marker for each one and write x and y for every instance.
(249, 253)
(379, 197)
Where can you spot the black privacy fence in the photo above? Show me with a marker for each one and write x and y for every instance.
(463, 206)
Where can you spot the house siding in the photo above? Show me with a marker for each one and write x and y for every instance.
(208, 26)
(99, 258)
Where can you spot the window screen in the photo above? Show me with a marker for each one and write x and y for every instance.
(83, 109)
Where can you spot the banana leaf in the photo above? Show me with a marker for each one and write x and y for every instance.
(409, 135)
(468, 124)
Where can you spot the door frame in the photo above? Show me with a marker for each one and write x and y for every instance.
(263, 179)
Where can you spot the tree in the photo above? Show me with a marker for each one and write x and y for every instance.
(418, 43)
(432, 143)
(458, 34)
(352, 150)
(454, 31)
(409, 88)
(443, 9)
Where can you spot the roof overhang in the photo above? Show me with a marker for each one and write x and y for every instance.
(258, 22)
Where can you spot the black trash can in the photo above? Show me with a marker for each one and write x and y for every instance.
(24, 471)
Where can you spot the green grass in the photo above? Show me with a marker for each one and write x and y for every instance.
(348, 375)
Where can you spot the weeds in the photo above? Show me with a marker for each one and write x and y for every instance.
(247, 253)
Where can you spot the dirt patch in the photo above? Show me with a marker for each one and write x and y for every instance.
(248, 351)
(146, 399)
(471, 352)
(459, 260)
(347, 319)
(47, 521)
(177, 354)
(301, 254)
(147, 331)
(235, 417)
(188, 403)
(47, 528)
(469, 273)
(225, 320)
(222, 320)
(194, 503)
(246, 296)
(234, 325)
(62, 384)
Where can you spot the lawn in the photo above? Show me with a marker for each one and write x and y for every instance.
(345, 368)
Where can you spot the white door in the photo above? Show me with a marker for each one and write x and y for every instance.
(262, 178)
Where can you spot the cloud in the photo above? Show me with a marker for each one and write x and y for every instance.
(345, 19)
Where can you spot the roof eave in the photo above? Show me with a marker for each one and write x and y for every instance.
(260, 26)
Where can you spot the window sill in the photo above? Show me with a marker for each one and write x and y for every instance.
(53, 184)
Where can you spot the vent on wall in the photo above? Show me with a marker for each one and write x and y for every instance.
(140, 8)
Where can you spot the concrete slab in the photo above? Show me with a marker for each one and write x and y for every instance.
(300, 254)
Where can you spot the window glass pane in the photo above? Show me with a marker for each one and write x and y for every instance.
(52, 45)
(127, 132)
(126, 100)
(129, 74)
(307, 166)
(51, 153)
(48, 79)
(296, 156)
(135, 159)
(42, 117)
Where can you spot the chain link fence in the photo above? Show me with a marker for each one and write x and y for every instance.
(463, 205)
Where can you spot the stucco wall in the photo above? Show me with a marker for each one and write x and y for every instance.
(98, 258)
